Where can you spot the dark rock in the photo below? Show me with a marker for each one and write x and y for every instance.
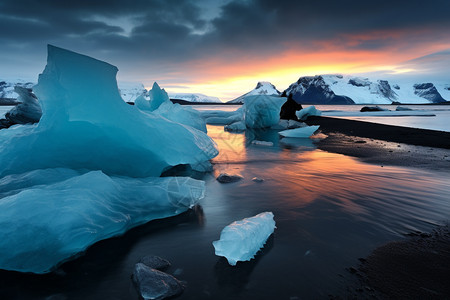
(372, 108)
(154, 284)
(396, 86)
(395, 103)
(314, 90)
(359, 83)
(384, 89)
(155, 262)
(289, 108)
(226, 178)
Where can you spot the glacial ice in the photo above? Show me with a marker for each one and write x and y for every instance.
(45, 224)
(219, 117)
(262, 111)
(241, 240)
(304, 113)
(27, 111)
(84, 172)
(97, 130)
(302, 132)
(236, 127)
(160, 104)
(155, 285)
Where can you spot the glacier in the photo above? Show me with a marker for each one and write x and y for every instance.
(262, 88)
(90, 168)
(241, 240)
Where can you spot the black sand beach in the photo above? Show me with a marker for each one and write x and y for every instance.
(416, 268)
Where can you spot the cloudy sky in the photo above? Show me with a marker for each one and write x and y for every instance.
(224, 47)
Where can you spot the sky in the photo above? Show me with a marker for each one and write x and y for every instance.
(223, 48)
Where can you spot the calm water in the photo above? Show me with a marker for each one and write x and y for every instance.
(329, 210)
(439, 122)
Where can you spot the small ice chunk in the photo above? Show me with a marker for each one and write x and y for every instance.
(257, 179)
(154, 284)
(302, 132)
(402, 108)
(227, 178)
(262, 143)
(303, 114)
(241, 240)
(155, 262)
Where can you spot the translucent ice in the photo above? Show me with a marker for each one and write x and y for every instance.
(241, 240)
(302, 132)
(97, 130)
(27, 111)
(43, 225)
(160, 104)
(262, 111)
(304, 113)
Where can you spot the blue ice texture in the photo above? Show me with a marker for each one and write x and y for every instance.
(262, 111)
(304, 113)
(90, 168)
(241, 240)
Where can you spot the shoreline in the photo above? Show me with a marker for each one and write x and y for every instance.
(385, 144)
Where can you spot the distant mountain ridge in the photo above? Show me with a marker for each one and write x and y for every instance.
(347, 89)
(262, 88)
(194, 97)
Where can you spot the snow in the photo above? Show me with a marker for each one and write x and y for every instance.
(262, 88)
(304, 113)
(241, 240)
(130, 91)
(160, 104)
(195, 97)
(303, 132)
(262, 111)
(85, 171)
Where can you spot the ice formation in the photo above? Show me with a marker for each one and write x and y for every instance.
(84, 172)
(302, 132)
(160, 104)
(27, 111)
(155, 285)
(262, 111)
(97, 131)
(236, 127)
(43, 225)
(303, 114)
(241, 240)
(219, 117)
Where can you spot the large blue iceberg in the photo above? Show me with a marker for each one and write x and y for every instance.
(89, 169)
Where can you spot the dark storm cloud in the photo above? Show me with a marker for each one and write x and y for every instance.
(173, 31)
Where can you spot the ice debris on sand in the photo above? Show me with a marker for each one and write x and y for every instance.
(303, 132)
(241, 240)
(153, 284)
(262, 111)
(86, 171)
(227, 178)
(304, 113)
(160, 104)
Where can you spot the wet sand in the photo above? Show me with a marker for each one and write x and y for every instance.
(415, 268)
(385, 144)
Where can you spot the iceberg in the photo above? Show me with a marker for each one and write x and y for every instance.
(220, 117)
(27, 111)
(302, 132)
(236, 127)
(160, 104)
(262, 111)
(88, 170)
(241, 240)
(304, 113)
(44, 225)
(98, 130)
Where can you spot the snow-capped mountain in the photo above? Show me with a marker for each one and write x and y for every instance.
(128, 90)
(194, 97)
(7, 88)
(131, 90)
(340, 89)
(262, 88)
